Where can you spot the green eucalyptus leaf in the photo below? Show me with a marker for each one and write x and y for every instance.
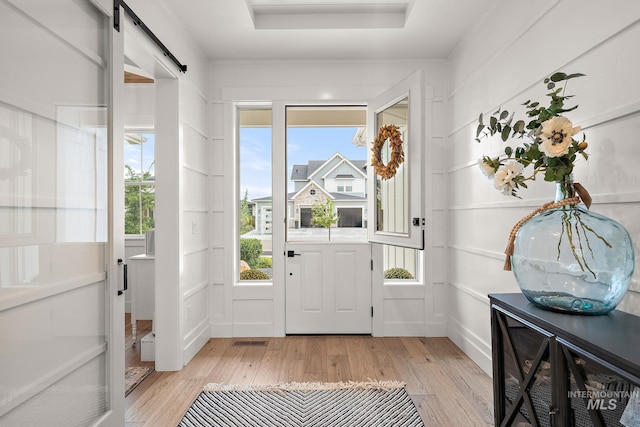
(493, 122)
(508, 151)
(519, 126)
(480, 119)
(506, 130)
(571, 76)
(564, 110)
(558, 77)
(551, 85)
(504, 115)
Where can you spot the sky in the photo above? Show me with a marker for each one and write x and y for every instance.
(140, 156)
(303, 144)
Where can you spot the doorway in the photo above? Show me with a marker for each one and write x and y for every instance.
(151, 107)
(328, 262)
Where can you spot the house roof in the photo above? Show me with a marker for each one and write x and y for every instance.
(304, 172)
(299, 172)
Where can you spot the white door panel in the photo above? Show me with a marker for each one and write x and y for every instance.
(328, 288)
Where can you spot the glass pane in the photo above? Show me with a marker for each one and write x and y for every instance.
(139, 170)
(519, 360)
(327, 171)
(256, 206)
(139, 156)
(598, 395)
(401, 263)
(392, 191)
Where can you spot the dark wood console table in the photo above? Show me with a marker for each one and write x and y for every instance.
(555, 369)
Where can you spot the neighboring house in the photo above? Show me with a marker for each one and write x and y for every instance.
(342, 180)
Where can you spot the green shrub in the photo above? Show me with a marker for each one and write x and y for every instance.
(397, 273)
(254, 275)
(264, 262)
(250, 251)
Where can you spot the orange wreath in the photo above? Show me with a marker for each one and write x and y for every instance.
(391, 133)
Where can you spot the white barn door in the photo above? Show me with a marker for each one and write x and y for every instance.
(60, 315)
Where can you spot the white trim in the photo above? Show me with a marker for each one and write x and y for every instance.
(337, 154)
(471, 344)
(344, 160)
(309, 184)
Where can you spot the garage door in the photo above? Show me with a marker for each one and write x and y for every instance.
(350, 217)
(305, 217)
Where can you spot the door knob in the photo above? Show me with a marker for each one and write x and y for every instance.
(291, 254)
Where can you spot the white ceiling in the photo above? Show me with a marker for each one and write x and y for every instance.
(225, 29)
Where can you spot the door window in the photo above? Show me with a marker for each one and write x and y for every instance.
(395, 130)
(327, 173)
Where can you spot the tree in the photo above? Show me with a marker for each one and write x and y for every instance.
(324, 215)
(246, 219)
(139, 202)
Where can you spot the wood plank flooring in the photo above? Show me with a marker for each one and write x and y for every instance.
(446, 386)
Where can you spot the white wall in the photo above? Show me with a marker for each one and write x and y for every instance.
(502, 62)
(181, 192)
(259, 311)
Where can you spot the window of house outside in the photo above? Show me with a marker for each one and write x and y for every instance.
(139, 181)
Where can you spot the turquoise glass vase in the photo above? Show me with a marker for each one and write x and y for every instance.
(572, 260)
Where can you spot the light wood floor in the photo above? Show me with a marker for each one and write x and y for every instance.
(446, 386)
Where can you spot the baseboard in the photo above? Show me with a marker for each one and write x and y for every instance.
(253, 329)
(221, 330)
(477, 350)
(437, 329)
(404, 329)
(196, 340)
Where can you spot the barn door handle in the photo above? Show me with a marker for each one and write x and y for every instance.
(124, 281)
(291, 254)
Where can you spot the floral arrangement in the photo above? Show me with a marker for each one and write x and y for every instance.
(393, 135)
(551, 149)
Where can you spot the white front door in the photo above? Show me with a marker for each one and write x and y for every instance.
(328, 288)
(328, 275)
(61, 318)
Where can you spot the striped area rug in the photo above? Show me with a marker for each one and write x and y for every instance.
(352, 404)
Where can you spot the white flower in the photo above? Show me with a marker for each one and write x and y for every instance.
(486, 168)
(556, 136)
(503, 179)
